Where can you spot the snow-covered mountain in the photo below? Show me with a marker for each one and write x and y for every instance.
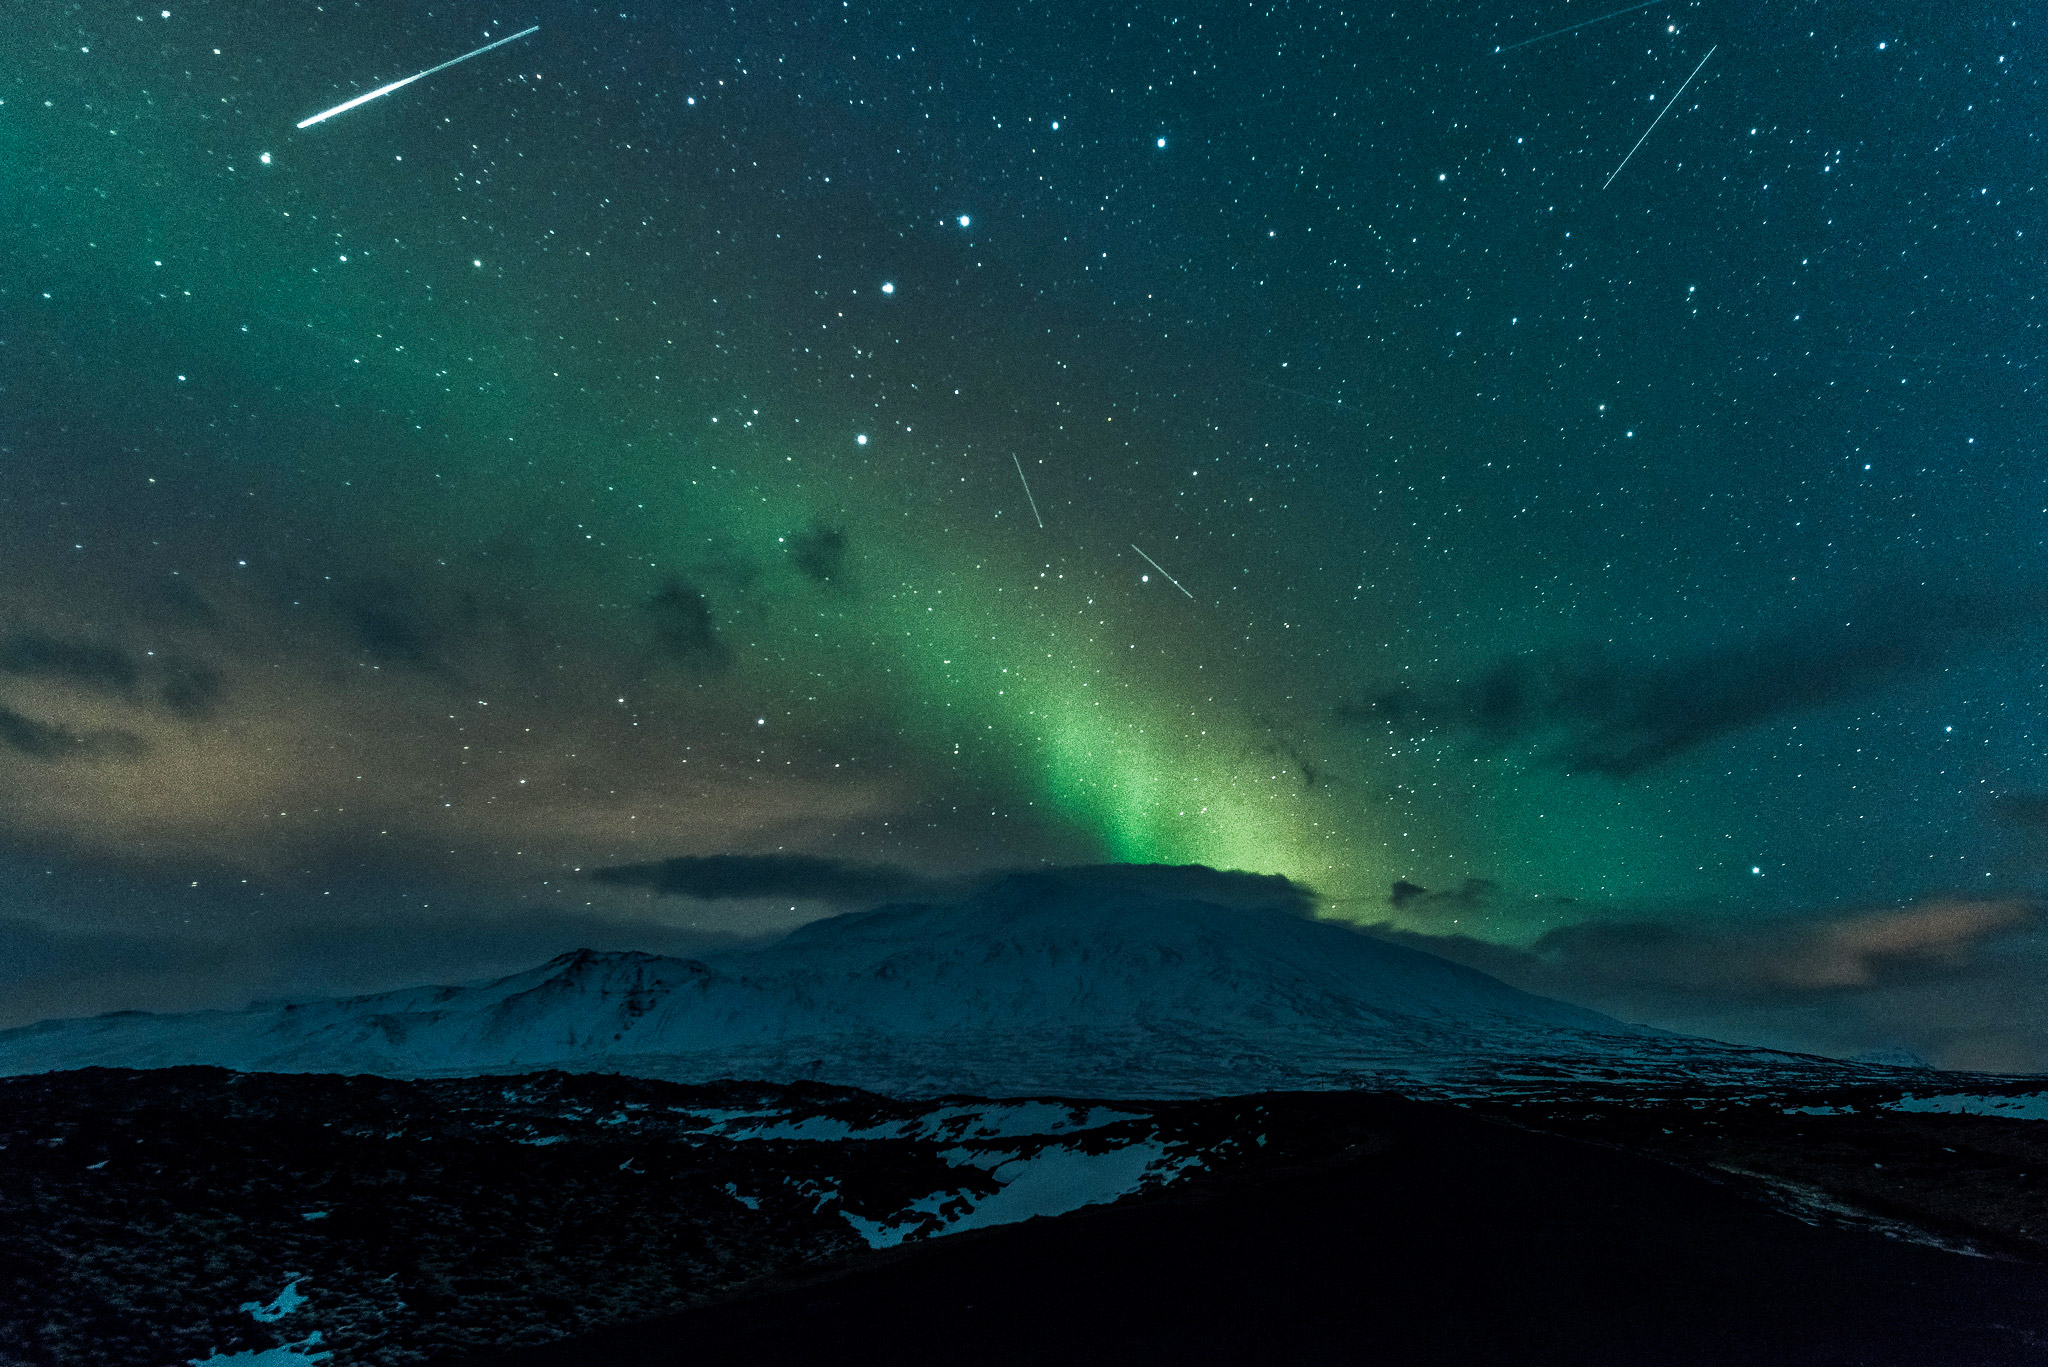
(1075, 983)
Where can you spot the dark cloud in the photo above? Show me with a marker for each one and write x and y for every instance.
(189, 688)
(390, 623)
(712, 876)
(2024, 817)
(820, 555)
(2027, 811)
(684, 632)
(1596, 714)
(1192, 882)
(186, 687)
(1311, 771)
(709, 877)
(1740, 961)
(84, 663)
(52, 970)
(45, 741)
(1471, 895)
(31, 951)
(1956, 980)
(458, 942)
(81, 934)
(727, 570)
(185, 604)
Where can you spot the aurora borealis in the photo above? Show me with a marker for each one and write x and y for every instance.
(607, 451)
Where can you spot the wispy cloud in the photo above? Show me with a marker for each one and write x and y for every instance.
(1596, 713)
(1947, 977)
(710, 877)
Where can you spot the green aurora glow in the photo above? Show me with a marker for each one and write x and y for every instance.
(437, 405)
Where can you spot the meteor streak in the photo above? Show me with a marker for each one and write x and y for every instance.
(1559, 32)
(1661, 113)
(347, 105)
(1027, 490)
(1161, 568)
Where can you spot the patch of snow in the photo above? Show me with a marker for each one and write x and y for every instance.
(811, 1127)
(978, 1158)
(983, 1120)
(880, 1233)
(1055, 1180)
(1810, 1205)
(1013, 1120)
(1815, 1110)
(288, 1302)
(290, 1355)
(2022, 1106)
(750, 1202)
(822, 1193)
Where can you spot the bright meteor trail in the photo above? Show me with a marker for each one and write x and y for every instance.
(347, 105)
(1027, 490)
(1162, 569)
(1572, 28)
(1660, 114)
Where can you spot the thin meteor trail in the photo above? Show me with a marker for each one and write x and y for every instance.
(1560, 32)
(347, 105)
(1027, 490)
(1161, 568)
(1661, 113)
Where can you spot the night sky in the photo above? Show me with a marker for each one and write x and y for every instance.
(452, 532)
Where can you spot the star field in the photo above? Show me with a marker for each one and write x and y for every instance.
(706, 431)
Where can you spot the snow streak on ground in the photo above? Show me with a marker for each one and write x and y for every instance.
(291, 1355)
(2015, 1106)
(979, 1120)
(1053, 1180)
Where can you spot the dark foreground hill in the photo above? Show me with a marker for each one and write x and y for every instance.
(172, 1216)
(1449, 1240)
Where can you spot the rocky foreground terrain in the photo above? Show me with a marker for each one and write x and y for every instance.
(1459, 1242)
(1857, 1157)
(167, 1216)
(188, 1215)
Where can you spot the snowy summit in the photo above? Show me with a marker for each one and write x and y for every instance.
(1112, 981)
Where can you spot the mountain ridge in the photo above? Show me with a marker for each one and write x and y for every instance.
(1039, 984)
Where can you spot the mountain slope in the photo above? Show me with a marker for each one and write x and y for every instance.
(1077, 983)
